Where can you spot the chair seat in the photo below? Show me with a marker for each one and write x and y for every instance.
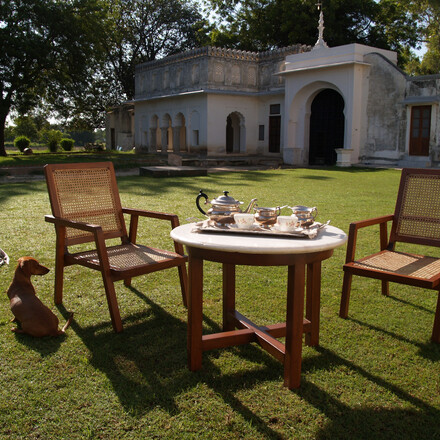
(400, 264)
(127, 257)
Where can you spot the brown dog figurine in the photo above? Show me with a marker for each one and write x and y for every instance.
(35, 318)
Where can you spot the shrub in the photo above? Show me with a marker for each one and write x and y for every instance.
(94, 146)
(67, 144)
(53, 145)
(51, 138)
(21, 142)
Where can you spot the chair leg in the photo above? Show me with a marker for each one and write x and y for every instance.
(345, 297)
(112, 303)
(385, 288)
(127, 282)
(59, 279)
(436, 330)
(183, 283)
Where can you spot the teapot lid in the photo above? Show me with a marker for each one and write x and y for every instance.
(226, 200)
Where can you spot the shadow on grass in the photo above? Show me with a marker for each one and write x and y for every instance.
(147, 367)
(430, 350)
(10, 190)
(46, 346)
(416, 422)
(214, 183)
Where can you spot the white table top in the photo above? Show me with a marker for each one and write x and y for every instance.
(328, 238)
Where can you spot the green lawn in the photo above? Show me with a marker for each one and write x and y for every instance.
(374, 376)
(121, 159)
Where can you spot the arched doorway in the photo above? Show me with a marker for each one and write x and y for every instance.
(235, 133)
(327, 124)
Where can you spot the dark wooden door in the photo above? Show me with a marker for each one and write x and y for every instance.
(420, 130)
(274, 134)
(327, 124)
(229, 135)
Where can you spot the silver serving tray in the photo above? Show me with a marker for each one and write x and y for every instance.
(309, 232)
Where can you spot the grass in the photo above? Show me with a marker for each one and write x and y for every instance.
(121, 159)
(374, 375)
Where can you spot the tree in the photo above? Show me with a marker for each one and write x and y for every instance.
(44, 45)
(266, 24)
(145, 30)
(25, 126)
(136, 31)
(429, 17)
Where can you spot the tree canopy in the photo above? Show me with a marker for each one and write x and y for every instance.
(264, 24)
(78, 57)
(144, 30)
(43, 44)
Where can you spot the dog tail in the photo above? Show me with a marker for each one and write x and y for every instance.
(68, 322)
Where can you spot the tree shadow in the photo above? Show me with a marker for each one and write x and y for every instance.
(368, 422)
(146, 185)
(147, 367)
(428, 350)
(15, 189)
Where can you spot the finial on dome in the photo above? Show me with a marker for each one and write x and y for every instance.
(320, 43)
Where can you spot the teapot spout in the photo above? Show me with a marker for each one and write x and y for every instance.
(250, 206)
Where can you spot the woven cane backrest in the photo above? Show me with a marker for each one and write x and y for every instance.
(86, 193)
(417, 215)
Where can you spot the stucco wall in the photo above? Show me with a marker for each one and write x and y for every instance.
(386, 114)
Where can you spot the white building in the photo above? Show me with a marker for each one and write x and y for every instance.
(346, 105)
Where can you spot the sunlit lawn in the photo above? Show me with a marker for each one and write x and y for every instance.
(375, 375)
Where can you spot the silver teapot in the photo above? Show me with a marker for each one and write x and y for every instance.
(306, 216)
(223, 207)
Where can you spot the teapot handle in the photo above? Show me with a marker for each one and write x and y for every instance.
(201, 194)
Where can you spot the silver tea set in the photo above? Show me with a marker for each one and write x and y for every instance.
(224, 207)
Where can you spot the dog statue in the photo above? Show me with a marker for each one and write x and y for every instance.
(33, 316)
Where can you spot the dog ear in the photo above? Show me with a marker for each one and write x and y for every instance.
(26, 264)
(23, 264)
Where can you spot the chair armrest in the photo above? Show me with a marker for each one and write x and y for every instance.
(72, 224)
(97, 232)
(355, 226)
(134, 219)
(372, 221)
(173, 218)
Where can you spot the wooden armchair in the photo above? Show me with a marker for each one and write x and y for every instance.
(416, 220)
(86, 208)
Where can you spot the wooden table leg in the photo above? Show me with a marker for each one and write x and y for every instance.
(195, 313)
(313, 302)
(294, 325)
(228, 296)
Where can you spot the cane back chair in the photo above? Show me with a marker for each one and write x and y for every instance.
(86, 208)
(416, 220)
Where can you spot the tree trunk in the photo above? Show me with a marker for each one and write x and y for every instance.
(2, 134)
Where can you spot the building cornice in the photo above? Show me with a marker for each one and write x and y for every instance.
(219, 52)
(279, 91)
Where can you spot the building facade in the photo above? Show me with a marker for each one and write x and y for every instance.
(345, 105)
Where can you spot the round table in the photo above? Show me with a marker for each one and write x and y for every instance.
(231, 249)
